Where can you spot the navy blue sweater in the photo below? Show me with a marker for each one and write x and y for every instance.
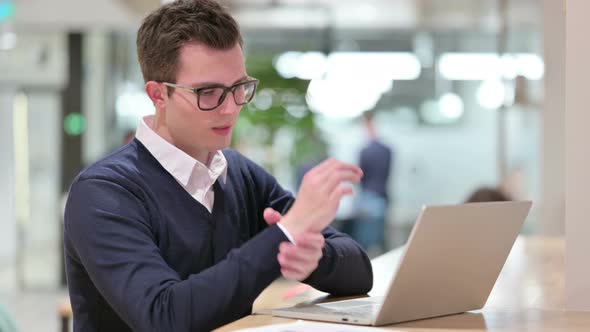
(142, 254)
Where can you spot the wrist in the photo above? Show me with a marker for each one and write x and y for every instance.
(286, 232)
(294, 227)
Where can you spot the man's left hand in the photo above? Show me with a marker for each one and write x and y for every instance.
(298, 260)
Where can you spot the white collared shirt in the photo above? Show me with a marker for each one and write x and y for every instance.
(196, 178)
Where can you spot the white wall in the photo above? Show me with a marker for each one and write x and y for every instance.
(552, 219)
(7, 213)
(95, 108)
(62, 15)
(577, 156)
(39, 59)
(41, 244)
(36, 67)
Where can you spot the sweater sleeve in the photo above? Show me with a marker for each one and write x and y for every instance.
(344, 269)
(109, 232)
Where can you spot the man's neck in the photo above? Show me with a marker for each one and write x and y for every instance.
(371, 131)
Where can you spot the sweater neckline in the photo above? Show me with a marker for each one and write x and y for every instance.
(218, 186)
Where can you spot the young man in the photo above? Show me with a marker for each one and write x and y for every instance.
(174, 233)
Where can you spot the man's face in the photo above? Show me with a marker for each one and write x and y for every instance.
(191, 129)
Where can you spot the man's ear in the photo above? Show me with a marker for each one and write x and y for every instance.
(158, 93)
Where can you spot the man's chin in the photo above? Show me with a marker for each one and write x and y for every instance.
(221, 145)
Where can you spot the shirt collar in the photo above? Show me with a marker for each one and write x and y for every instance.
(177, 162)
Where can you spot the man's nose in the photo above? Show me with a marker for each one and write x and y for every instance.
(229, 106)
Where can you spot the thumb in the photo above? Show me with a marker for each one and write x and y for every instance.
(271, 216)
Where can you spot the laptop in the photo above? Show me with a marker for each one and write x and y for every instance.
(450, 264)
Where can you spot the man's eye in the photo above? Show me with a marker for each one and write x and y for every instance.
(207, 92)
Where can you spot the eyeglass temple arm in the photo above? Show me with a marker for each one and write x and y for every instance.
(176, 86)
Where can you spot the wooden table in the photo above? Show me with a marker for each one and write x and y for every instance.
(528, 296)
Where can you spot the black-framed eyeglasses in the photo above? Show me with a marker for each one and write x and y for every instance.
(210, 97)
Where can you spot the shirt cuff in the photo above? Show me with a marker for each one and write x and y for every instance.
(287, 234)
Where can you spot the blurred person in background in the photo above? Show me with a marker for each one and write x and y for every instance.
(487, 194)
(174, 232)
(369, 227)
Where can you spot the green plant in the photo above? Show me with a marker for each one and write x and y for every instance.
(280, 103)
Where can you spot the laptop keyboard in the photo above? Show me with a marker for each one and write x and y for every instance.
(347, 308)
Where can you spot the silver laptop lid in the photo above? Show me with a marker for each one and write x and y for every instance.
(452, 260)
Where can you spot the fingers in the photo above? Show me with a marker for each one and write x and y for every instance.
(338, 166)
(330, 173)
(319, 195)
(330, 166)
(338, 177)
(321, 167)
(341, 191)
(297, 271)
(293, 274)
(271, 216)
(298, 255)
(299, 261)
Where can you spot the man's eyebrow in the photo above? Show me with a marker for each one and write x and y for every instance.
(204, 84)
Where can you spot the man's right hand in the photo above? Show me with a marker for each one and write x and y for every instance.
(319, 196)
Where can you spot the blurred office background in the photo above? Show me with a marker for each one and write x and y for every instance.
(457, 87)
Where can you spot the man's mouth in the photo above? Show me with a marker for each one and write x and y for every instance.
(222, 130)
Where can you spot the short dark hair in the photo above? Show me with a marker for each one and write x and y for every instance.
(488, 194)
(368, 115)
(168, 28)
